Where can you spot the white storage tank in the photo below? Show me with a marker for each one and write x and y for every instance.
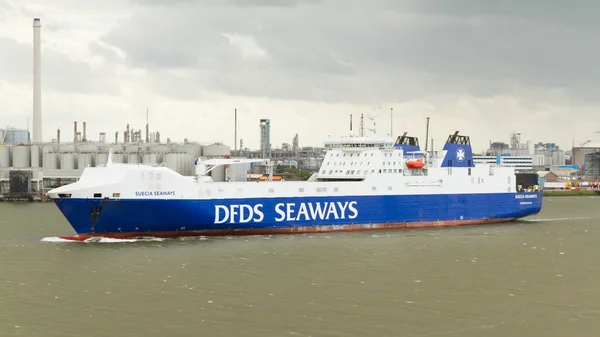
(133, 158)
(218, 174)
(101, 159)
(67, 161)
(35, 156)
(85, 148)
(150, 159)
(118, 158)
(50, 161)
(188, 165)
(21, 156)
(239, 172)
(171, 161)
(65, 148)
(5, 156)
(132, 148)
(84, 160)
(161, 148)
(216, 150)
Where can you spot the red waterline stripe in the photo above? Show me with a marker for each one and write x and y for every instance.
(290, 230)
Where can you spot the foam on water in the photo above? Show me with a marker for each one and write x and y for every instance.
(56, 239)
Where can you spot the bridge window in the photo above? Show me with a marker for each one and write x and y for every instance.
(97, 195)
(116, 195)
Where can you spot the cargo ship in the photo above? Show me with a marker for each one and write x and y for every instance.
(364, 184)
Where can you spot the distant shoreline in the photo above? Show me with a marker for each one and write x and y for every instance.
(569, 193)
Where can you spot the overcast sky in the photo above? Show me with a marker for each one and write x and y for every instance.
(486, 70)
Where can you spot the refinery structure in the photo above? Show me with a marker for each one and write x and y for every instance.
(29, 167)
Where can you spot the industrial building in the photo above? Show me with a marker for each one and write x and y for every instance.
(541, 155)
(53, 164)
(591, 167)
(578, 153)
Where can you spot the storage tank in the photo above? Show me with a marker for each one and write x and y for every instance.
(101, 159)
(239, 172)
(67, 161)
(188, 165)
(218, 174)
(35, 156)
(66, 148)
(5, 156)
(161, 148)
(21, 156)
(84, 160)
(150, 159)
(216, 150)
(133, 158)
(85, 148)
(132, 148)
(171, 161)
(118, 158)
(50, 161)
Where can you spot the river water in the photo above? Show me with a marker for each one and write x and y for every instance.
(538, 277)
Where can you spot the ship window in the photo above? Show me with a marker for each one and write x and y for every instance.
(301, 189)
(116, 195)
(323, 172)
(97, 195)
(335, 189)
(143, 175)
(324, 189)
(158, 187)
(150, 175)
(374, 188)
(389, 188)
(469, 171)
(372, 171)
(158, 176)
(221, 190)
(64, 195)
(271, 190)
(509, 181)
(395, 170)
(330, 171)
(366, 171)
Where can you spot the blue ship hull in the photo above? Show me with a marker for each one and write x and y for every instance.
(123, 218)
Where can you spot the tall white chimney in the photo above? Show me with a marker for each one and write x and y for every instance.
(37, 83)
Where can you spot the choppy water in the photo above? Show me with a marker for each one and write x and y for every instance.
(538, 277)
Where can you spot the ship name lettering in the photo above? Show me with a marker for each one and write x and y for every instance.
(238, 213)
(308, 211)
(154, 193)
(526, 196)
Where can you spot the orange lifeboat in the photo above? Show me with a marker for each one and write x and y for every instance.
(415, 163)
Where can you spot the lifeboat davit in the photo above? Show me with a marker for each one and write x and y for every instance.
(415, 163)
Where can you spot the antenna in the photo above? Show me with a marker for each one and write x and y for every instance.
(147, 128)
(427, 134)
(392, 122)
(362, 125)
(235, 130)
(350, 122)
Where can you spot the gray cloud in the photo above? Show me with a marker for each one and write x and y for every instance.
(389, 50)
(58, 71)
(242, 3)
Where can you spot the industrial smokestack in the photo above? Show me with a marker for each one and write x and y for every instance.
(58, 135)
(147, 128)
(75, 132)
(84, 138)
(37, 82)
(235, 130)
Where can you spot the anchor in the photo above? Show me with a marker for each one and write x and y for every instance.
(94, 213)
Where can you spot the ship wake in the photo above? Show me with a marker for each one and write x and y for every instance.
(99, 239)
